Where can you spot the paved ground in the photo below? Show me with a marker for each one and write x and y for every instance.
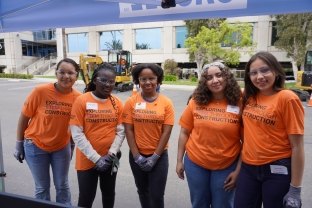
(19, 180)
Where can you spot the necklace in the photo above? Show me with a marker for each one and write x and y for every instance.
(149, 99)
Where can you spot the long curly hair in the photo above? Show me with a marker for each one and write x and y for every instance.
(232, 92)
(273, 64)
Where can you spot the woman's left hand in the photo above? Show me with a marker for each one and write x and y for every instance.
(230, 181)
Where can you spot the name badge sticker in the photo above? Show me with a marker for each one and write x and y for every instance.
(92, 106)
(279, 169)
(140, 106)
(232, 109)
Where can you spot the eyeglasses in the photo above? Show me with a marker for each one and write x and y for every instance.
(146, 79)
(104, 81)
(63, 73)
(217, 64)
(263, 71)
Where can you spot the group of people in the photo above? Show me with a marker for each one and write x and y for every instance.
(238, 148)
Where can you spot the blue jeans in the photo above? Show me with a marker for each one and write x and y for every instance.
(206, 186)
(256, 184)
(39, 162)
(151, 185)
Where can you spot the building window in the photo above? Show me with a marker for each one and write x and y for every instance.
(37, 49)
(274, 37)
(181, 35)
(2, 51)
(111, 40)
(148, 38)
(77, 42)
(44, 35)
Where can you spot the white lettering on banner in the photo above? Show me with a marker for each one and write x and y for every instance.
(188, 6)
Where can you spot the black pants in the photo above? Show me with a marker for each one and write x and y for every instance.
(88, 180)
(151, 185)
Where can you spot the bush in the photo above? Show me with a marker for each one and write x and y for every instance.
(170, 66)
(16, 76)
(170, 78)
(193, 79)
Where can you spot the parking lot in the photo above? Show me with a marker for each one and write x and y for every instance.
(19, 180)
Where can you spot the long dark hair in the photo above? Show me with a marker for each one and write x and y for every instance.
(91, 86)
(232, 92)
(273, 64)
(104, 66)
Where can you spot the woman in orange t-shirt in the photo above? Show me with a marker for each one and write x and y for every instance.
(98, 133)
(272, 155)
(148, 117)
(211, 137)
(42, 132)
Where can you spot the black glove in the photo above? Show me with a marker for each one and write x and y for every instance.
(104, 163)
(292, 199)
(19, 153)
(72, 149)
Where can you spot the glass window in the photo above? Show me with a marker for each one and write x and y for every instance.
(2, 51)
(111, 40)
(77, 42)
(274, 37)
(37, 49)
(148, 38)
(181, 35)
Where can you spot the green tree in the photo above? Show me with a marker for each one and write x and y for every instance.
(221, 43)
(170, 66)
(294, 33)
(194, 26)
(142, 46)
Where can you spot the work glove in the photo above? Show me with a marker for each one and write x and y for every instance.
(140, 161)
(72, 149)
(292, 199)
(151, 162)
(104, 163)
(115, 162)
(19, 153)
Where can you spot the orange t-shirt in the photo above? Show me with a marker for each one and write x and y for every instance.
(148, 119)
(99, 119)
(214, 141)
(268, 120)
(49, 113)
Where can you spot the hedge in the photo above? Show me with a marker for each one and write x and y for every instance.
(16, 76)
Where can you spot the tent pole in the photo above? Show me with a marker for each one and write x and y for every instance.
(2, 173)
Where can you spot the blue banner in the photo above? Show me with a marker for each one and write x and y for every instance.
(18, 15)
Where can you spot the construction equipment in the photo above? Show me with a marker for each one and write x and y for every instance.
(120, 59)
(304, 79)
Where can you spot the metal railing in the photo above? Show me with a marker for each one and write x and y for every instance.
(42, 65)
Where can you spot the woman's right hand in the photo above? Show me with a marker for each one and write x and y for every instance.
(180, 170)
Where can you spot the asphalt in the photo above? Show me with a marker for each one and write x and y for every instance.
(19, 180)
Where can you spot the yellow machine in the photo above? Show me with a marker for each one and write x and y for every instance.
(304, 79)
(121, 60)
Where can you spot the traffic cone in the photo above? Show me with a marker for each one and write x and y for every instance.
(309, 104)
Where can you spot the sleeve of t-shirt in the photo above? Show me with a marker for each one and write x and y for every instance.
(31, 103)
(127, 111)
(187, 119)
(169, 113)
(78, 112)
(293, 117)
